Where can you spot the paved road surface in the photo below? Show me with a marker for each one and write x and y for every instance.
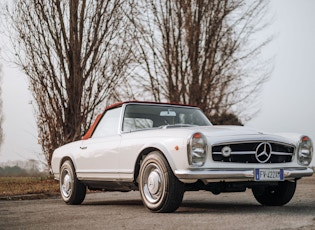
(199, 210)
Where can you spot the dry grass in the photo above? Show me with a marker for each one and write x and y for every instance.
(12, 186)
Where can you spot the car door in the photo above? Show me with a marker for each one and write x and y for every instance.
(98, 157)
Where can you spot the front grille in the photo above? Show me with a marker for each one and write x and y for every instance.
(246, 152)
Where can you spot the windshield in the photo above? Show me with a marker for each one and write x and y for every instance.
(138, 116)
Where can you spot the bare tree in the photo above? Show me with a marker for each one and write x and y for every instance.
(201, 52)
(74, 53)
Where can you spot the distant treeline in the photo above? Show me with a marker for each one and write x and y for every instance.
(18, 171)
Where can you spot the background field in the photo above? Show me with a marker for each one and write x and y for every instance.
(14, 186)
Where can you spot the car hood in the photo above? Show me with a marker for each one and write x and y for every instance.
(220, 134)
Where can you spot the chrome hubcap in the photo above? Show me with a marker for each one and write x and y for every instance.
(66, 184)
(154, 182)
(153, 186)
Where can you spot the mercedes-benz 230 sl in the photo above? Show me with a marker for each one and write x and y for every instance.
(163, 150)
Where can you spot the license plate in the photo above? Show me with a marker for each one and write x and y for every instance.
(269, 175)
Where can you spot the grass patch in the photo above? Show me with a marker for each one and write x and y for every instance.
(12, 186)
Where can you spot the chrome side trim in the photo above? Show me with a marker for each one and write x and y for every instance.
(122, 176)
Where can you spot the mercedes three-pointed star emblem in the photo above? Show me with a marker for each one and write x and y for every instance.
(263, 152)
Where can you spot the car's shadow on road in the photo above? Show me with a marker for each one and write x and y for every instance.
(114, 203)
(195, 207)
(226, 207)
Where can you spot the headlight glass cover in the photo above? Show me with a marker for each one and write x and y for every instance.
(197, 149)
(305, 151)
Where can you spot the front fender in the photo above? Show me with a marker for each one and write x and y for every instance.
(174, 151)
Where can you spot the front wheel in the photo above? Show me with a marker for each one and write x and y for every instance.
(277, 195)
(71, 189)
(160, 190)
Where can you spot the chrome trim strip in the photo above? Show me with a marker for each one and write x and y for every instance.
(253, 153)
(237, 153)
(122, 176)
(281, 153)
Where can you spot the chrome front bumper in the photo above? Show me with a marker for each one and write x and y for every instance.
(239, 174)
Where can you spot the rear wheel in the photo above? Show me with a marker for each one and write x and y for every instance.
(160, 190)
(277, 195)
(71, 189)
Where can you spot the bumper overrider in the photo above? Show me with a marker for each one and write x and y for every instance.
(238, 174)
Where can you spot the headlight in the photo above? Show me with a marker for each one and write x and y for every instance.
(197, 149)
(305, 151)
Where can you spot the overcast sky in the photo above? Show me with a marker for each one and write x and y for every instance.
(287, 99)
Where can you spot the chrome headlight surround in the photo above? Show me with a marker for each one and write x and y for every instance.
(305, 151)
(197, 149)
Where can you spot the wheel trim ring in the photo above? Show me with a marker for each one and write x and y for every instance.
(153, 183)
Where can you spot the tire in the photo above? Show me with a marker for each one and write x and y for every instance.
(71, 189)
(160, 190)
(277, 195)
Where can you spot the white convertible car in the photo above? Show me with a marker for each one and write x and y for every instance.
(163, 150)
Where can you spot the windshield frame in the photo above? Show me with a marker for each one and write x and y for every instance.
(141, 116)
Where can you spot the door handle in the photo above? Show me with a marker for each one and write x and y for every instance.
(83, 147)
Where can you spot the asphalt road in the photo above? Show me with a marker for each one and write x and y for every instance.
(199, 210)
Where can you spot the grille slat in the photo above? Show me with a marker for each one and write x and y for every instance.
(246, 152)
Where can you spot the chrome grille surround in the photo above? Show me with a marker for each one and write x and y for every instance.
(246, 152)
